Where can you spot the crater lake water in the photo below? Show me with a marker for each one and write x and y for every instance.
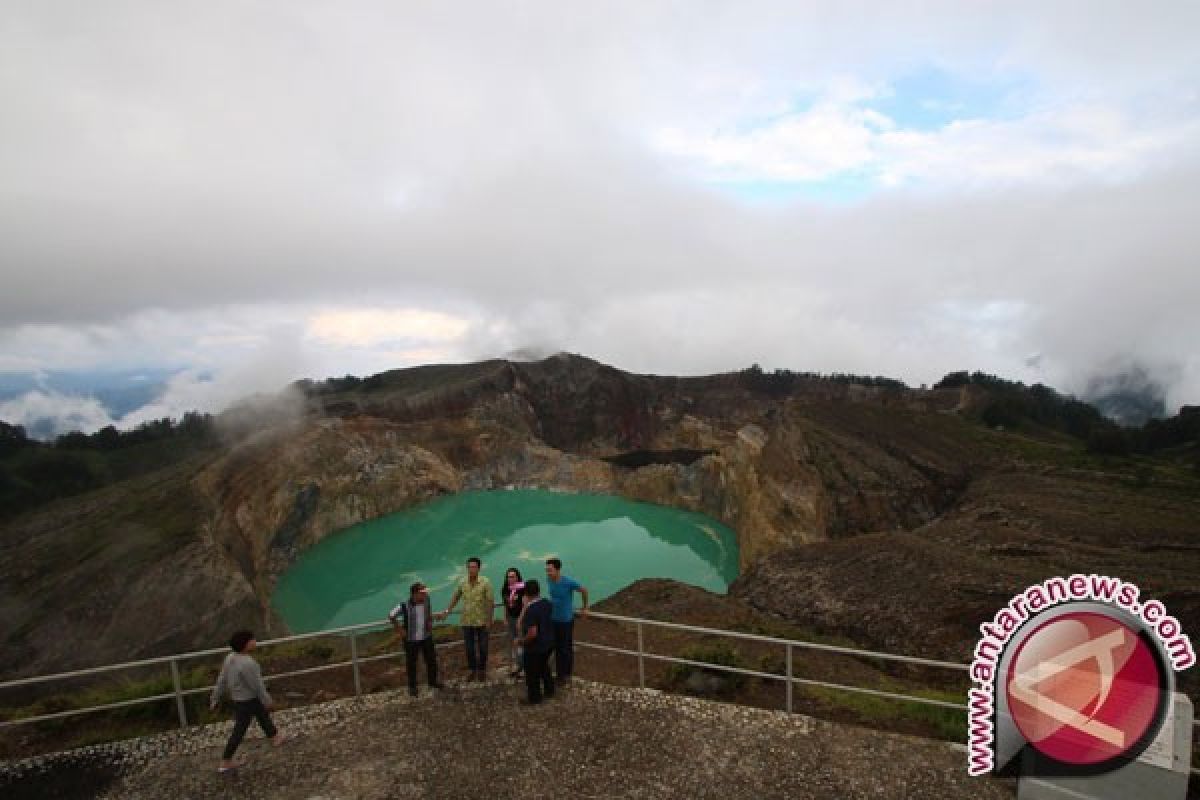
(606, 543)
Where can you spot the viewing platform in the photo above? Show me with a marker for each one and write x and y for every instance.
(591, 740)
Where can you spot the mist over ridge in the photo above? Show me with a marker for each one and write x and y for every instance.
(48, 405)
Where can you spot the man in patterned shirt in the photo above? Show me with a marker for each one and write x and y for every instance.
(476, 593)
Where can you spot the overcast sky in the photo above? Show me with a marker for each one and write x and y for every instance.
(258, 192)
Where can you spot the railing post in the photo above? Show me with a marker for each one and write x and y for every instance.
(178, 694)
(789, 679)
(641, 658)
(354, 663)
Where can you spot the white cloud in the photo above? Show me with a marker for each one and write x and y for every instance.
(46, 412)
(351, 192)
(1059, 147)
(823, 142)
(835, 139)
(268, 371)
(370, 327)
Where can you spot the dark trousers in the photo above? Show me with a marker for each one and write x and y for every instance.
(475, 637)
(423, 648)
(564, 648)
(243, 712)
(537, 675)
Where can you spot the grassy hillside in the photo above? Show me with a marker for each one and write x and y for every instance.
(34, 473)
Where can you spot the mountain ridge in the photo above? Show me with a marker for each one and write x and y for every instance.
(174, 558)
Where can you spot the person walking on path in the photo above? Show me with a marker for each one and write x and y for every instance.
(414, 619)
(241, 679)
(561, 589)
(510, 594)
(537, 634)
(476, 593)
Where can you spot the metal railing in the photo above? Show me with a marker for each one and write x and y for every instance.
(788, 677)
(789, 645)
(642, 654)
(355, 662)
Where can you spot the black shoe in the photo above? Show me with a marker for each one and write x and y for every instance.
(437, 686)
(412, 691)
(525, 701)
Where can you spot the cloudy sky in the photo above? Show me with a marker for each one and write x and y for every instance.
(258, 192)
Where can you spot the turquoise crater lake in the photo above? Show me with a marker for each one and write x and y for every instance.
(606, 543)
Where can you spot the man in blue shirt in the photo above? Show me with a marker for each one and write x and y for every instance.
(537, 634)
(561, 589)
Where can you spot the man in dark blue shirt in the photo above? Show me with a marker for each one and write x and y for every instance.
(537, 632)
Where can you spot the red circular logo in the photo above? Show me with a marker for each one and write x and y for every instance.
(1084, 688)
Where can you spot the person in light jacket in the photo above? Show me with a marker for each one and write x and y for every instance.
(241, 679)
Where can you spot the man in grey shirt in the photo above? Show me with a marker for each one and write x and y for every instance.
(241, 679)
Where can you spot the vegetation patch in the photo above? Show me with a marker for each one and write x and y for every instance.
(1013, 405)
(719, 654)
(944, 723)
(34, 473)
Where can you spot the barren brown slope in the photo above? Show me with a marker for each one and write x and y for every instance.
(1020, 521)
(114, 574)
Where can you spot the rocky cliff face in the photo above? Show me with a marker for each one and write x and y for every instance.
(850, 503)
(779, 471)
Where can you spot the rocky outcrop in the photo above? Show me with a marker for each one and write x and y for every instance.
(282, 493)
(825, 461)
(780, 471)
(925, 591)
(286, 490)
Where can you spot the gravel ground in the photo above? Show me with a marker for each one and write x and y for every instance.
(591, 741)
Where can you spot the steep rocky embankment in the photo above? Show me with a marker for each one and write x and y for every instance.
(781, 472)
(925, 591)
(876, 512)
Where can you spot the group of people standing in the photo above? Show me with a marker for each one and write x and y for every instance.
(538, 626)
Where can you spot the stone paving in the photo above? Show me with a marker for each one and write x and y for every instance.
(590, 741)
